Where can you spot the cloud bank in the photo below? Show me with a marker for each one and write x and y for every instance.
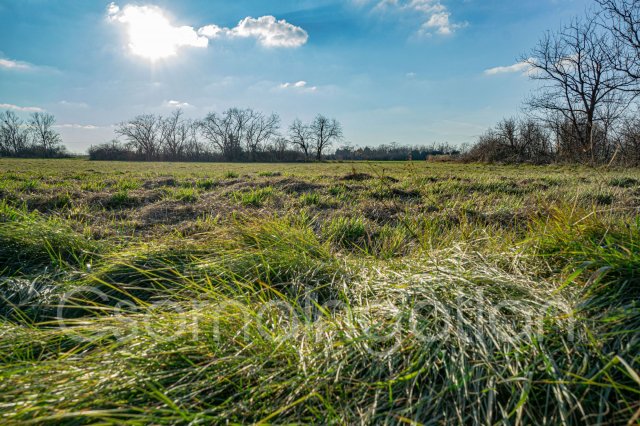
(77, 126)
(20, 108)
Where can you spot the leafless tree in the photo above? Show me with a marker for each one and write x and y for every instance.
(629, 142)
(300, 136)
(513, 141)
(13, 134)
(280, 146)
(44, 136)
(523, 141)
(143, 133)
(226, 131)
(507, 131)
(324, 132)
(580, 83)
(622, 18)
(534, 142)
(259, 129)
(195, 149)
(176, 135)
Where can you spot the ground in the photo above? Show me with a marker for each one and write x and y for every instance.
(412, 292)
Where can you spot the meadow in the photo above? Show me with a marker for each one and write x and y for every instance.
(340, 293)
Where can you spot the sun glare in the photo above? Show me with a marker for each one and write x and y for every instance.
(151, 34)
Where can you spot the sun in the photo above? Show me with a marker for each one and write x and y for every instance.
(151, 34)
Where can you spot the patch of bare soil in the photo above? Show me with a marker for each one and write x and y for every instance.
(231, 182)
(504, 219)
(167, 213)
(290, 185)
(49, 202)
(159, 183)
(358, 177)
(390, 179)
(116, 201)
(380, 213)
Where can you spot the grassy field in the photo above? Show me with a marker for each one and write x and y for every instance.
(395, 293)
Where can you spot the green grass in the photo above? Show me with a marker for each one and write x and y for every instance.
(348, 232)
(269, 174)
(288, 294)
(185, 195)
(30, 240)
(206, 184)
(121, 199)
(254, 197)
(310, 199)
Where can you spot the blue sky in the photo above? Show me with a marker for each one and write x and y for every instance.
(409, 71)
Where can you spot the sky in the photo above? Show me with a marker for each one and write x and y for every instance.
(404, 71)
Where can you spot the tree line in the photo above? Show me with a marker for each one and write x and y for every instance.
(35, 137)
(233, 135)
(585, 109)
(395, 152)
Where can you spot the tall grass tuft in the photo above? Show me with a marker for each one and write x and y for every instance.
(32, 241)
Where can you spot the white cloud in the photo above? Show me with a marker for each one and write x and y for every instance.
(176, 104)
(212, 31)
(436, 15)
(425, 6)
(267, 30)
(14, 65)
(270, 32)
(77, 126)
(152, 35)
(440, 23)
(113, 9)
(299, 85)
(521, 67)
(71, 104)
(20, 108)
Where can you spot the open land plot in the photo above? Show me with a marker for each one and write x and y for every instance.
(420, 293)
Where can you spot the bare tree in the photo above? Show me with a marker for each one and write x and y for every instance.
(513, 141)
(259, 129)
(324, 132)
(14, 137)
(507, 131)
(176, 134)
(629, 142)
(43, 134)
(581, 84)
(226, 131)
(280, 145)
(523, 141)
(622, 18)
(301, 137)
(534, 142)
(143, 133)
(194, 148)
